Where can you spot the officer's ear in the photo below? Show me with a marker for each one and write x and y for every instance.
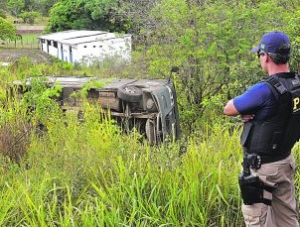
(267, 58)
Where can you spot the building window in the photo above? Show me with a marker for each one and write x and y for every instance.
(55, 44)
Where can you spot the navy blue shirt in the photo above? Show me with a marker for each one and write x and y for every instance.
(258, 100)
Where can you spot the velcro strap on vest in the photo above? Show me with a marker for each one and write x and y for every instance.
(277, 85)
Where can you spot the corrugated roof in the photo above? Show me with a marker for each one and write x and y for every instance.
(91, 38)
(71, 34)
(95, 38)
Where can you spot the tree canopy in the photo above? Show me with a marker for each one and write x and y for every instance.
(80, 14)
(15, 7)
(7, 30)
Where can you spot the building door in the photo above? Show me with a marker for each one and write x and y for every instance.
(61, 52)
(70, 54)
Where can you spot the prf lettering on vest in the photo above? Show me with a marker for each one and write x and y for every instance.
(296, 101)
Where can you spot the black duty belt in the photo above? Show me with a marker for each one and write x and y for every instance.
(256, 160)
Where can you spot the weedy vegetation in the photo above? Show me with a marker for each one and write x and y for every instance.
(58, 171)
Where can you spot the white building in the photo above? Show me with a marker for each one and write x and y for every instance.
(81, 46)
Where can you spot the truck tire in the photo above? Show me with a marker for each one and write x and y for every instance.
(130, 93)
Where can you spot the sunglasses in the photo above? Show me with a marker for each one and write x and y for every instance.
(260, 53)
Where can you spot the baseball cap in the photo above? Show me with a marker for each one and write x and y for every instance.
(274, 42)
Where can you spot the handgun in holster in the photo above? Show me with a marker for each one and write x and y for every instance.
(252, 188)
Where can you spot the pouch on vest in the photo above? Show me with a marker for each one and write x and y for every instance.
(246, 132)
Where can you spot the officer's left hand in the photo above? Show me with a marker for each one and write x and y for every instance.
(247, 117)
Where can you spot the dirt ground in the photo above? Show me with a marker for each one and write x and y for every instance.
(11, 55)
(30, 29)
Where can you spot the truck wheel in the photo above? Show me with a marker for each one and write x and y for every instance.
(150, 131)
(130, 93)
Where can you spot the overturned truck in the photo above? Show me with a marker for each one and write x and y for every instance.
(149, 105)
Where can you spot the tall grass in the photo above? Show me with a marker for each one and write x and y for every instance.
(91, 174)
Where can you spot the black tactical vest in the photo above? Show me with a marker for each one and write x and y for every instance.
(274, 138)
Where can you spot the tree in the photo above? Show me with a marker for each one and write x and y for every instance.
(211, 43)
(29, 17)
(136, 17)
(294, 30)
(2, 13)
(3, 4)
(80, 14)
(7, 30)
(45, 5)
(66, 15)
(41, 6)
(29, 5)
(15, 7)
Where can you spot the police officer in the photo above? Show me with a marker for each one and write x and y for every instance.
(270, 112)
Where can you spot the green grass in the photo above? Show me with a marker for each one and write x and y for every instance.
(29, 40)
(39, 21)
(87, 185)
(91, 174)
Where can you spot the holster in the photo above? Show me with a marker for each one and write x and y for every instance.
(252, 189)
